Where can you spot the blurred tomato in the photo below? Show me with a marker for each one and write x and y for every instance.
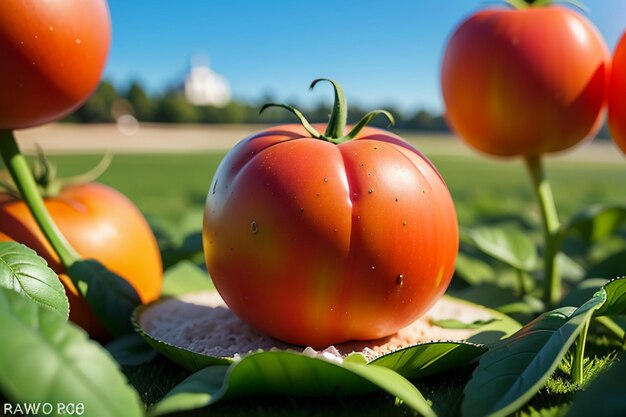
(100, 223)
(525, 82)
(617, 95)
(316, 243)
(52, 54)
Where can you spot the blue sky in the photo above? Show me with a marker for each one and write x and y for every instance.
(381, 52)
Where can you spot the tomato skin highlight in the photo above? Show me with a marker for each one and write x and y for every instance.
(100, 223)
(53, 53)
(617, 95)
(315, 243)
(525, 82)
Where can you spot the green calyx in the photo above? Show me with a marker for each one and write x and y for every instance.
(45, 175)
(526, 4)
(338, 118)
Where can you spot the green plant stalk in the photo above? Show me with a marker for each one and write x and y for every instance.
(551, 229)
(23, 178)
(579, 354)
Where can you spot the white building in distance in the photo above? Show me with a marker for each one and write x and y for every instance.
(204, 87)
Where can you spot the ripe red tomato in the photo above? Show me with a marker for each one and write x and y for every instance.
(525, 82)
(53, 53)
(315, 243)
(617, 95)
(100, 223)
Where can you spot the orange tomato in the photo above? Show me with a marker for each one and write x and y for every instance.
(617, 95)
(100, 223)
(315, 243)
(525, 82)
(53, 53)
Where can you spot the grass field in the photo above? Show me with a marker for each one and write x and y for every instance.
(173, 187)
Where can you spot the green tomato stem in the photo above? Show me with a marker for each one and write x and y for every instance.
(23, 178)
(335, 130)
(551, 229)
(525, 4)
(579, 354)
(339, 116)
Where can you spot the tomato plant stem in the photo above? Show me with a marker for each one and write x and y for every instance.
(579, 354)
(551, 229)
(21, 174)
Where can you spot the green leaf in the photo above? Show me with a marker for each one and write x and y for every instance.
(430, 358)
(23, 271)
(506, 244)
(474, 271)
(513, 370)
(615, 293)
(44, 358)
(287, 373)
(132, 350)
(503, 300)
(604, 396)
(458, 324)
(596, 222)
(185, 277)
(570, 270)
(110, 296)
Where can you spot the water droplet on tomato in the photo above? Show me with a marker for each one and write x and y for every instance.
(254, 228)
(404, 223)
(325, 179)
(301, 209)
(400, 280)
(370, 191)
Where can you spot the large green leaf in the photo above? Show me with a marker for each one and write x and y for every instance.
(506, 244)
(513, 370)
(22, 270)
(45, 359)
(430, 358)
(604, 397)
(288, 373)
(110, 296)
(596, 222)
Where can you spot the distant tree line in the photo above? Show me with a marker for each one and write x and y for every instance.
(108, 103)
